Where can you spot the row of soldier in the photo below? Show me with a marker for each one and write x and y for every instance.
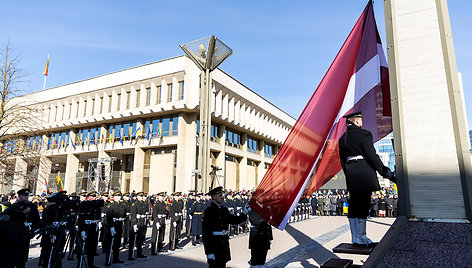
(120, 221)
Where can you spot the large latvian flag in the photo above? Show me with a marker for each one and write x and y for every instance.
(357, 80)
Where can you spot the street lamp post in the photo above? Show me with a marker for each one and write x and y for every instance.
(207, 53)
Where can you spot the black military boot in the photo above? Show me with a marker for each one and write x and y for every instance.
(153, 249)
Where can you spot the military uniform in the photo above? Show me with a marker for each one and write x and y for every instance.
(216, 220)
(159, 210)
(88, 222)
(127, 225)
(260, 236)
(196, 212)
(360, 162)
(115, 217)
(138, 227)
(175, 213)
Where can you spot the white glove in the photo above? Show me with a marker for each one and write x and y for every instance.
(158, 225)
(112, 231)
(84, 235)
(190, 216)
(211, 256)
(175, 224)
(135, 228)
(246, 209)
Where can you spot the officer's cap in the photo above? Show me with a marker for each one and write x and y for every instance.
(140, 194)
(161, 194)
(126, 194)
(24, 192)
(83, 193)
(92, 193)
(353, 115)
(104, 194)
(177, 193)
(215, 191)
(117, 193)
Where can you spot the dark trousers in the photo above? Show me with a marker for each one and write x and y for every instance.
(138, 239)
(258, 256)
(115, 247)
(216, 264)
(175, 231)
(359, 204)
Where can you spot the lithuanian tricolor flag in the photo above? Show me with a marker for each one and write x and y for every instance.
(47, 68)
(59, 182)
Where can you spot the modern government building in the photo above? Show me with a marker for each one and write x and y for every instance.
(138, 130)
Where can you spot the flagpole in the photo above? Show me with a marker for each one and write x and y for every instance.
(44, 86)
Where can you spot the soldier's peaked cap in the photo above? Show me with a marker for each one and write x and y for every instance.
(23, 191)
(140, 193)
(352, 115)
(117, 193)
(161, 194)
(215, 191)
(92, 193)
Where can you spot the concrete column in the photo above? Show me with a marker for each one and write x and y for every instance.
(175, 89)
(60, 112)
(142, 98)
(106, 103)
(237, 112)
(133, 96)
(98, 105)
(231, 110)
(243, 163)
(123, 100)
(242, 117)
(224, 112)
(44, 171)
(218, 103)
(221, 159)
(153, 100)
(72, 167)
(89, 109)
(186, 152)
(19, 177)
(67, 106)
(52, 113)
(260, 168)
(163, 91)
(136, 182)
(80, 113)
(73, 110)
(114, 101)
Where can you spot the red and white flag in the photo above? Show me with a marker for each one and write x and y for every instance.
(357, 80)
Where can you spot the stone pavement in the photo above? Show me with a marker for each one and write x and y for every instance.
(305, 243)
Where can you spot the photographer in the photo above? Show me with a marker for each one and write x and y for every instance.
(14, 235)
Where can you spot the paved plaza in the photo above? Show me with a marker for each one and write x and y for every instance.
(305, 243)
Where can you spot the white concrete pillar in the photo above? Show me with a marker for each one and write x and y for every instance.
(164, 91)
(175, 89)
(52, 114)
(231, 110)
(243, 163)
(153, 100)
(19, 177)
(81, 110)
(142, 98)
(44, 171)
(225, 104)
(237, 112)
(73, 109)
(242, 118)
(186, 152)
(123, 99)
(89, 108)
(60, 112)
(137, 175)
(218, 103)
(67, 107)
(133, 97)
(114, 101)
(98, 104)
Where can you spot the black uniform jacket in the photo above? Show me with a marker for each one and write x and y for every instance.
(217, 219)
(360, 174)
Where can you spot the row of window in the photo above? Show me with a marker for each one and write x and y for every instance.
(74, 109)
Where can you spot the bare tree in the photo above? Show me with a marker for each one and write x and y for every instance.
(20, 126)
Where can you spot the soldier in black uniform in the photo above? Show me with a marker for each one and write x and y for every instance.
(115, 217)
(126, 229)
(32, 218)
(196, 211)
(360, 162)
(188, 217)
(138, 226)
(259, 239)
(216, 219)
(89, 217)
(103, 223)
(175, 213)
(159, 210)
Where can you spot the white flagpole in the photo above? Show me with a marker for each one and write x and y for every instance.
(44, 86)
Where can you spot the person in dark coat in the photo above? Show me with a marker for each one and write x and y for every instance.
(216, 220)
(196, 212)
(360, 163)
(159, 210)
(115, 217)
(138, 226)
(127, 226)
(314, 205)
(188, 217)
(375, 206)
(175, 213)
(32, 218)
(14, 235)
(260, 236)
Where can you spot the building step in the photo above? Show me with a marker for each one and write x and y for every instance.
(352, 249)
(339, 263)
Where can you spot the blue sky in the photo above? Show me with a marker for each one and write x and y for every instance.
(281, 49)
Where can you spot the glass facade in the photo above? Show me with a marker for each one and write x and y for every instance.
(385, 146)
(470, 136)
